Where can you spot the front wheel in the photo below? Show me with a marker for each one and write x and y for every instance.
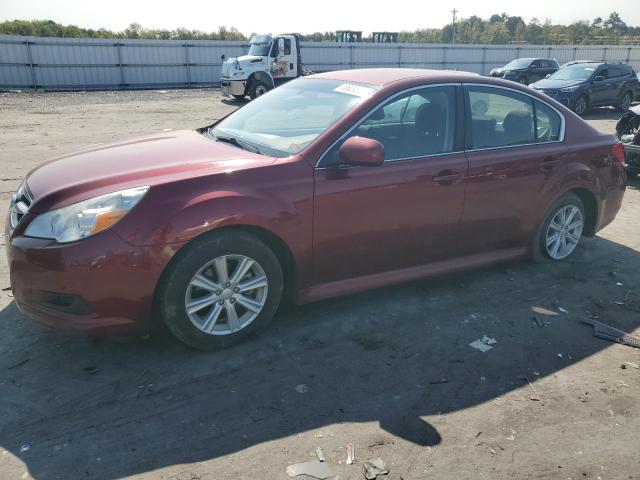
(581, 106)
(624, 103)
(220, 290)
(257, 89)
(561, 230)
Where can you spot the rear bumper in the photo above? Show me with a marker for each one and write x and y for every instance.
(99, 286)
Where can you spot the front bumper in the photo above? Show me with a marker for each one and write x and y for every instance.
(99, 285)
(632, 157)
(566, 98)
(232, 87)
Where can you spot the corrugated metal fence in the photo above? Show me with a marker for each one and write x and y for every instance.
(84, 63)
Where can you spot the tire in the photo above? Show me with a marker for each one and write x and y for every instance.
(543, 249)
(625, 102)
(257, 89)
(211, 324)
(523, 81)
(239, 97)
(581, 106)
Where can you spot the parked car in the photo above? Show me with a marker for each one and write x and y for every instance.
(628, 131)
(582, 86)
(327, 185)
(526, 70)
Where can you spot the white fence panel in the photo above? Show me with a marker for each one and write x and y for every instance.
(85, 63)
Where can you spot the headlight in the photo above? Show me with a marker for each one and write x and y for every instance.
(570, 89)
(86, 218)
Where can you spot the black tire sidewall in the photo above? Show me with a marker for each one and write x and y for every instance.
(172, 288)
(540, 253)
(586, 103)
(254, 86)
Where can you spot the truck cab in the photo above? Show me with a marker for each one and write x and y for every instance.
(269, 62)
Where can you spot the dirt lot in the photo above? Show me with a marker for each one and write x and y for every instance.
(389, 370)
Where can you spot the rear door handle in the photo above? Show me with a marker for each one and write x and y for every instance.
(549, 164)
(447, 177)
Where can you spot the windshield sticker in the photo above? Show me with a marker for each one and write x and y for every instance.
(353, 89)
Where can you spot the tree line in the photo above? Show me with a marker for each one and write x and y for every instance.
(498, 29)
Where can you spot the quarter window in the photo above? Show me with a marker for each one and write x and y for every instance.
(547, 123)
(416, 124)
(500, 118)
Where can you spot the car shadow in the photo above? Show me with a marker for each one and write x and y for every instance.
(234, 102)
(75, 408)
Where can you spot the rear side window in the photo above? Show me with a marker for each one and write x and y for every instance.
(500, 118)
(548, 123)
(504, 118)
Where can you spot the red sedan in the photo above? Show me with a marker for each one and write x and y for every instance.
(328, 185)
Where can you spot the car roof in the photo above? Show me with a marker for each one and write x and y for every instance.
(384, 76)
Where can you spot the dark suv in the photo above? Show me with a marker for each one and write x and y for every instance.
(526, 70)
(581, 86)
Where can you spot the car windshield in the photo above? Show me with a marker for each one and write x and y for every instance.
(518, 63)
(573, 72)
(287, 119)
(259, 49)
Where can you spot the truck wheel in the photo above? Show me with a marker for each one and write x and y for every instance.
(624, 103)
(257, 89)
(225, 287)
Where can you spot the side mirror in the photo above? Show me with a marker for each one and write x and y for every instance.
(223, 57)
(598, 78)
(547, 75)
(362, 151)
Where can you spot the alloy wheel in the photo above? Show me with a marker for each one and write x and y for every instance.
(626, 101)
(564, 231)
(581, 106)
(226, 294)
(260, 90)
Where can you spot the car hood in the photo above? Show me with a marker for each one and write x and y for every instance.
(148, 160)
(549, 83)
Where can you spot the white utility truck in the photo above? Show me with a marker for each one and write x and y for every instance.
(270, 62)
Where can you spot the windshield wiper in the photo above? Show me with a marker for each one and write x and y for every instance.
(238, 143)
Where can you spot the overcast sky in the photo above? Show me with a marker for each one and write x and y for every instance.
(303, 16)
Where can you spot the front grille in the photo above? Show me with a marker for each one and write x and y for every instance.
(20, 204)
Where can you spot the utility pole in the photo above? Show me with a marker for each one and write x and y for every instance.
(453, 24)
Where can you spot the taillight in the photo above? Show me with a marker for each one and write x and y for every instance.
(618, 152)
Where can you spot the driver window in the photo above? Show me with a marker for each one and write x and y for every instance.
(287, 46)
(417, 124)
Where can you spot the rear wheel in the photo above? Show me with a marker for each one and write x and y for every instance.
(582, 105)
(625, 102)
(561, 230)
(223, 288)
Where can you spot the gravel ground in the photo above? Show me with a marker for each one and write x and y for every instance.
(389, 370)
